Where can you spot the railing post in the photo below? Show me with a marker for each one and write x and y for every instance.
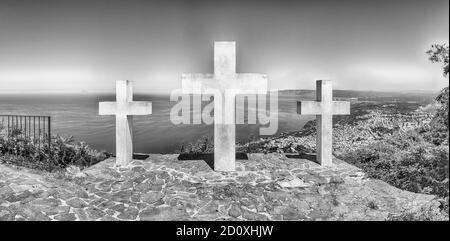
(21, 125)
(34, 129)
(7, 129)
(49, 133)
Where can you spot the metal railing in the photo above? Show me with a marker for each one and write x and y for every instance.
(34, 128)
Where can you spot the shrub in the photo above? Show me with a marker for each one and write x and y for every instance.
(204, 145)
(62, 152)
(405, 160)
(442, 113)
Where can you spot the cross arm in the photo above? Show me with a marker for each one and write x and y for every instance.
(251, 83)
(341, 108)
(130, 108)
(195, 83)
(140, 108)
(107, 108)
(242, 83)
(315, 108)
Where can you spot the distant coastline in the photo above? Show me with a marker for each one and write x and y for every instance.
(77, 114)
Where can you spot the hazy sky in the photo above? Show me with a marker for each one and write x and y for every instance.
(69, 46)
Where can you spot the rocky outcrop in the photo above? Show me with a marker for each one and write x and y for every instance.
(265, 187)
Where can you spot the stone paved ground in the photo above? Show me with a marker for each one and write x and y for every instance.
(266, 187)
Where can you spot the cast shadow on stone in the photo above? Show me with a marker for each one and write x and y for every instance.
(207, 157)
(137, 156)
(307, 156)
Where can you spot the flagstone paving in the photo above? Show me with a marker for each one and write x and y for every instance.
(265, 187)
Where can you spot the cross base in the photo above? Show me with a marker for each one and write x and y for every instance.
(224, 147)
(124, 140)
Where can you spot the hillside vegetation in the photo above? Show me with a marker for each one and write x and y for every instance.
(61, 153)
(405, 148)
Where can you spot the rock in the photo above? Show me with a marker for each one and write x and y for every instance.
(109, 212)
(260, 208)
(5, 192)
(97, 201)
(118, 208)
(319, 215)
(139, 179)
(65, 217)
(105, 186)
(293, 183)
(143, 187)
(82, 194)
(164, 214)
(313, 178)
(226, 192)
(158, 182)
(292, 214)
(137, 163)
(163, 175)
(272, 187)
(192, 190)
(74, 172)
(138, 169)
(252, 216)
(31, 213)
(246, 202)
(135, 198)
(81, 214)
(53, 210)
(212, 209)
(336, 180)
(47, 202)
(110, 174)
(15, 198)
(126, 185)
(108, 218)
(235, 210)
(94, 213)
(5, 214)
(106, 204)
(76, 203)
(129, 213)
(300, 204)
(122, 196)
(116, 186)
(151, 197)
(156, 188)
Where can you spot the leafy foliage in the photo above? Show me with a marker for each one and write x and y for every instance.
(440, 54)
(204, 145)
(407, 161)
(441, 116)
(62, 152)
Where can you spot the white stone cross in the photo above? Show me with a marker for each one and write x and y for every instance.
(124, 108)
(224, 84)
(324, 109)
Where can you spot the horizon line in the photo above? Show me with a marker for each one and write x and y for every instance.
(168, 92)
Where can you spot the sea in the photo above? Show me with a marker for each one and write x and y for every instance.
(77, 115)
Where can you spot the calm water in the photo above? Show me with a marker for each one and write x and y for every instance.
(77, 115)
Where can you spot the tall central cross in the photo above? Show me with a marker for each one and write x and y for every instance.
(124, 108)
(224, 84)
(324, 109)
